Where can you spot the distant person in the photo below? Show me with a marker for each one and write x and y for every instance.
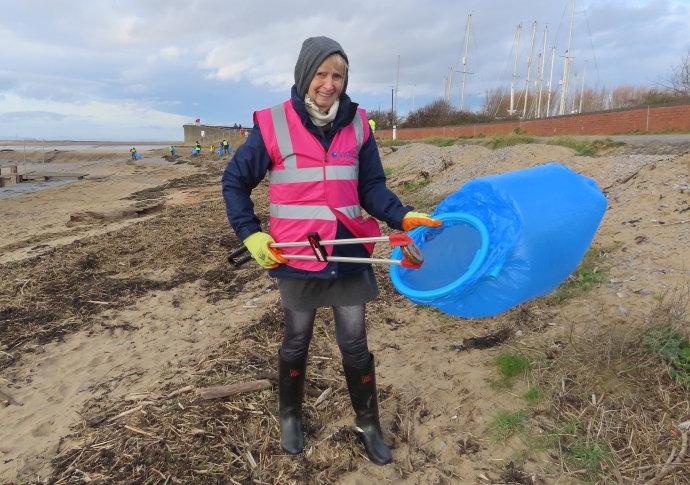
(372, 124)
(211, 148)
(241, 131)
(240, 126)
(133, 151)
(234, 127)
(198, 147)
(172, 150)
(225, 145)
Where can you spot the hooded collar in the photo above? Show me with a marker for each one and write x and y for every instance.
(346, 113)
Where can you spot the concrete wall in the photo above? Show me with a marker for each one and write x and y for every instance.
(212, 135)
(663, 118)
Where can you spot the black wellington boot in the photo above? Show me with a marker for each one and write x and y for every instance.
(362, 386)
(290, 391)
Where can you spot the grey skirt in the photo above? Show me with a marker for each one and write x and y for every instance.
(308, 294)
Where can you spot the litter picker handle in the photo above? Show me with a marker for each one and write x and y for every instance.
(237, 262)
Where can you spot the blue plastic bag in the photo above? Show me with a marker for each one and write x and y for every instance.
(136, 155)
(195, 151)
(505, 239)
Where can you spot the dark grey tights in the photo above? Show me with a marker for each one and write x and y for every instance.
(350, 333)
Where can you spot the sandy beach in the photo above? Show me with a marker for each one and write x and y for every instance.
(96, 312)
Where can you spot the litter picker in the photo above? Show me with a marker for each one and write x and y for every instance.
(412, 255)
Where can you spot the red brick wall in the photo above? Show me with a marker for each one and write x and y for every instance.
(674, 118)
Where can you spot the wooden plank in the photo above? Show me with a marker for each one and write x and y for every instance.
(54, 175)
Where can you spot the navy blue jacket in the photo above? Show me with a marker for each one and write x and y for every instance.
(251, 162)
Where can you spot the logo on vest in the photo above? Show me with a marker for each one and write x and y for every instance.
(348, 154)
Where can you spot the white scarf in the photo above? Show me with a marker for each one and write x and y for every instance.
(318, 117)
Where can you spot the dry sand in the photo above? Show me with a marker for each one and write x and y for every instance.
(153, 344)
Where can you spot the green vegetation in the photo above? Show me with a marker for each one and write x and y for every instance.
(438, 141)
(388, 171)
(503, 425)
(512, 139)
(585, 148)
(591, 272)
(510, 365)
(587, 457)
(533, 395)
(416, 185)
(673, 347)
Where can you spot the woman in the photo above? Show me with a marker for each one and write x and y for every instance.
(324, 167)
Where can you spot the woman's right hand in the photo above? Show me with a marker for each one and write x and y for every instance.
(268, 257)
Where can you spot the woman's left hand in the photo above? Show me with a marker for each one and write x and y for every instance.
(416, 219)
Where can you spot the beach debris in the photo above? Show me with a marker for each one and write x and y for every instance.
(126, 213)
(232, 389)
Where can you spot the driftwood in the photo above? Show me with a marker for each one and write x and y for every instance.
(223, 391)
(273, 376)
(128, 212)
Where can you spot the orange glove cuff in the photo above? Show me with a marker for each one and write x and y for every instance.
(413, 220)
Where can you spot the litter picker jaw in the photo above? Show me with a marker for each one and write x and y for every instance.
(413, 257)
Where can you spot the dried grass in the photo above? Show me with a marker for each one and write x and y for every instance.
(607, 392)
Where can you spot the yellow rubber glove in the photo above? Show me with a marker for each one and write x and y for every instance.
(267, 257)
(416, 219)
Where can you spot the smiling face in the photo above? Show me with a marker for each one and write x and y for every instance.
(327, 84)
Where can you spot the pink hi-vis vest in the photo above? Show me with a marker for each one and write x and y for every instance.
(311, 189)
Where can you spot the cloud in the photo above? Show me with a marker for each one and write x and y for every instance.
(170, 53)
(136, 89)
(221, 60)
(91, 120)
(33, 115)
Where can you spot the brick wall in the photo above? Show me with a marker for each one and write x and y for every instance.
(673, 118)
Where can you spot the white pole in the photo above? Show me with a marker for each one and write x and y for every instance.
(464, 63)
(548, 100)
(582, 91)
(511, 111)
(572, 104)
(395, 106)
(450, 83)
(566, 66)
(529, 70)
(542, 69)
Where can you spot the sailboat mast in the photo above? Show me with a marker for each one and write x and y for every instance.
(572, 104)
(450, 83)
(529, 70)
(582, 91)
(511, 111)
(541, 71)
(395, 105)
(566, 66)
(464, 62)
(548, 99)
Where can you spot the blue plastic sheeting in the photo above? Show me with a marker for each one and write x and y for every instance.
(536, 225)
(194, 151)
(137, 155)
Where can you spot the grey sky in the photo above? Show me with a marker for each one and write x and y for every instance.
(138, 69)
